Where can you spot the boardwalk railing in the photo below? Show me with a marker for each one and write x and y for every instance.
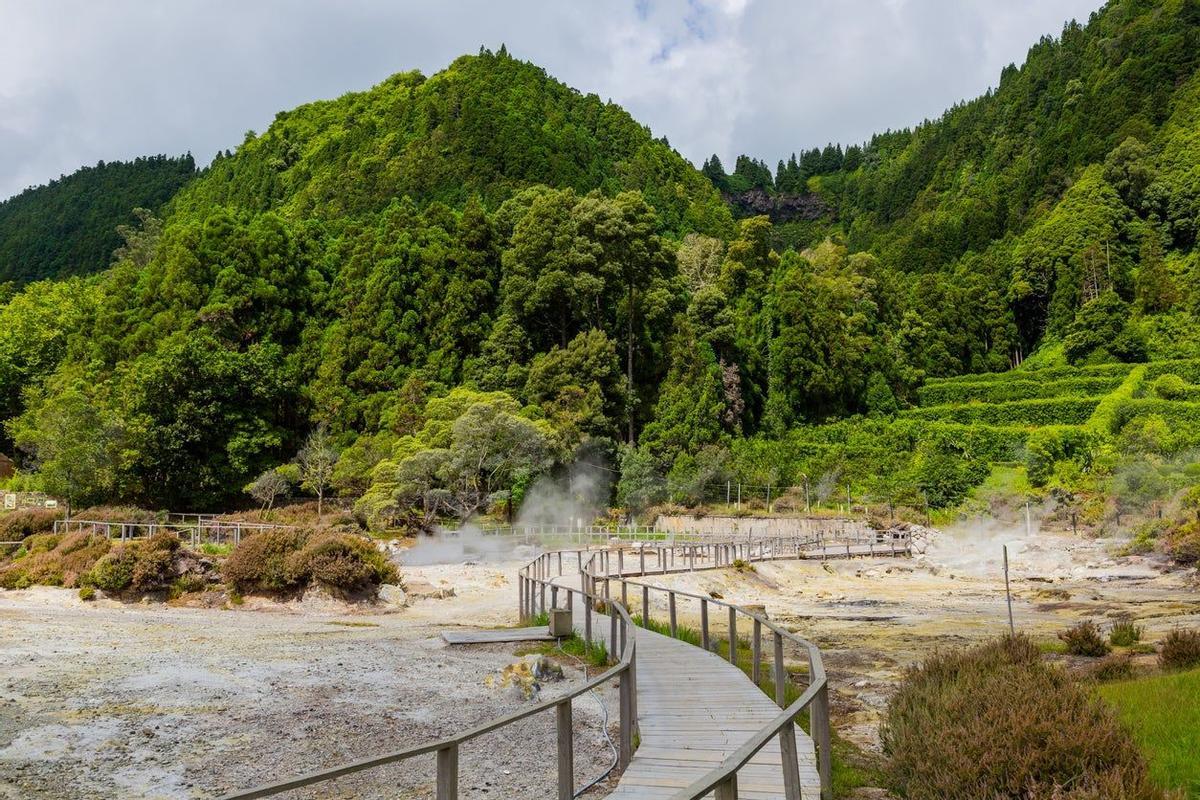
(447, 750)
(605, 567)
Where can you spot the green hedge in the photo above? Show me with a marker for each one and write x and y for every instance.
(1041, 374)
(1015, 389)
(1174, 412)
(1189, 370)
(1055, 411)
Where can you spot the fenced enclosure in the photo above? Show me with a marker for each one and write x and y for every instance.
(205, 530)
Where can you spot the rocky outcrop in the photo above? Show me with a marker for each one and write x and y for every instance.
(779, 207)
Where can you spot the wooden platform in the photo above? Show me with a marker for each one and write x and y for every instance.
(694, 709)
(497, 635)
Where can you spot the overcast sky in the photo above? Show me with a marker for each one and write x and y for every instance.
(85, 80)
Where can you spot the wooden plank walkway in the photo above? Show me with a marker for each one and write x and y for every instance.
(694, 710)
(538, 633)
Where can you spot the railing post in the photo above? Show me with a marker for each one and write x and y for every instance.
(780, 673)
(821, 736)
(704, 624)
(671, 604)
(554, 596)
(627, 711)
(791, 762)
(447, 773)
(520, 596)
(566, 751)
(645, 606)
(756, 649)
(612, 637)
(587, 621)
(733, 635)
(727, 789)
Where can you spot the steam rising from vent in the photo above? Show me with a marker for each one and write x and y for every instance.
(572, 500)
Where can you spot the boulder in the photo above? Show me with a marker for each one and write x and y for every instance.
(393, 595)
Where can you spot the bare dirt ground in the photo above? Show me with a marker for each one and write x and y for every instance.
(872, 618)
(152, 701)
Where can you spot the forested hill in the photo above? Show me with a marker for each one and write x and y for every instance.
(1096, 131)
(487, 127)
(69, 226)
(471, 278)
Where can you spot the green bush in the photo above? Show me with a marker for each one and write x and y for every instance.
(1180, 649)
(1182, 543)
(1019, 387)
(1084, 639)
(140, 567)
(87, 593)
(995, 722)
(1170, 387)
(1125, 633)
(1047, 446)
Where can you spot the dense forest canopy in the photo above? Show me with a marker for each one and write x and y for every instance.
(440, 268)
(69, 226)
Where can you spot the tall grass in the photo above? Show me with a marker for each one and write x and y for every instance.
(1163, 711)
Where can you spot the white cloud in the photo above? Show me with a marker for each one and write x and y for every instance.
(82, 81)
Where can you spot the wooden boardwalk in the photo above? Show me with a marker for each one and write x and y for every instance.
(694, 709)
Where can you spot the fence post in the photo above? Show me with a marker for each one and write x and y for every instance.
(447, 773)
(756, 649)
(733, 635)
(791, 762)
(645, 606)
(566, 751)
(612, 636)
(780, 673)
(587, 621)
(704, 624)
(671, 602)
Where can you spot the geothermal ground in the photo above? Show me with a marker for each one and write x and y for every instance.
(151, 701)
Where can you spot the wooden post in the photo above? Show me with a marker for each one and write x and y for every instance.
(756, 649)
(819, 715)
(566, 751)
(554, 596)
(627, 718)
(728, 790)
(587, 622)
(704, 624)
(791, 762)
(1012, 630)
(645, 606)
(671, 603)
(642, 560)
(625, 594)
(733, 636)
(780, 673)
(612, 636)
(621, 561)
(447, 773)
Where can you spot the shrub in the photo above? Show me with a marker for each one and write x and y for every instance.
(1115, 667)
(1084, 639)
(144, 566)
(1125, 634)
(994, 721)
(259, 562)
(87, 593)
(341, 561)
(1183, 543)
(20, 524)
(1180, 650)
(1170, 387)
(54, 560)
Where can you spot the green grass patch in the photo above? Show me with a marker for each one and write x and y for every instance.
(1163, 712)
(345, 623)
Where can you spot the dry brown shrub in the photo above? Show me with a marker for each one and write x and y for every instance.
(259, 563)
(53, 560)
(1180, 650)
(25, 522)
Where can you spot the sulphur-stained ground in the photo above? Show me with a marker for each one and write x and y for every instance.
(151, 701)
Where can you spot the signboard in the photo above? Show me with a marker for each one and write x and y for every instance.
(10, 501)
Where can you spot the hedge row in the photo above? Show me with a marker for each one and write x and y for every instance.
(1188, 369)
(1015, 389)
(1175, 413)
(1055, 411)
(1040, 374)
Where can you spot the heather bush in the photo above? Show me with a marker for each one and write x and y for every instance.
(995, 722)
(1114, 667)
(281, 560)
(259, 563)
(53, 560)
(1084, 639)
(23, 523)
(341, 561)
(1180, 649)
(144, 566)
